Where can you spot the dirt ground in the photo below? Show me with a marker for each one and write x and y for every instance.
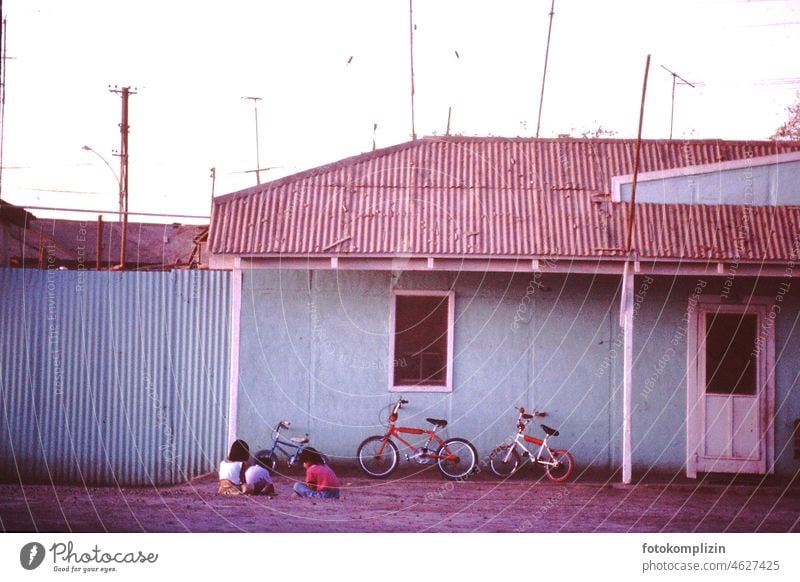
(409, 502)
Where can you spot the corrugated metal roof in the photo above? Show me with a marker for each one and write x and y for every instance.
(497, 197)
(73, 244)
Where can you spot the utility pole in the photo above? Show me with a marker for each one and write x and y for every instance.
(255, 101)
(124, 93)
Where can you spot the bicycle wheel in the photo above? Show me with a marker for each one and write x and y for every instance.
(466, 457)
(504, 462)
(377, 456)
(563, 468)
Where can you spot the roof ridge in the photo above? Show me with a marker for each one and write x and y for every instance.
(455, 139)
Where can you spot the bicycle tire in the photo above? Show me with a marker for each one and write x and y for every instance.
(375, 462)
(464, 465)
(563, 470)
(498, 463)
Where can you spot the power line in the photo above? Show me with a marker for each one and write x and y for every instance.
(95, 211)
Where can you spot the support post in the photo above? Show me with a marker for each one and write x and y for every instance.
(626, 320)
(236, 321)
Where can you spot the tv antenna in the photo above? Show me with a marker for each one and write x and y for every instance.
(258, 169)
(675, 78)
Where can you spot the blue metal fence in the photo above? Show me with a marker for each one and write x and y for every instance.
(112, 378)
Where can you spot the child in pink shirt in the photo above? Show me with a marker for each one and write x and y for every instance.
(321, 481)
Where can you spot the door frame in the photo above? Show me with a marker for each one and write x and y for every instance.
(766, 311)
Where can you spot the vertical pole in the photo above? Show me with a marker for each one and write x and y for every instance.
(124, 92)
(672, 109)
(258, 155)
(636, 162)
(544, 73)
(411, 44)
(236, 319)
(627, 371)
(123, 175)
(2, 90)
(255, 101)
(99, 251)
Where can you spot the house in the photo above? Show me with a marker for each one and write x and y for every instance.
(473, 275)
(36, 242)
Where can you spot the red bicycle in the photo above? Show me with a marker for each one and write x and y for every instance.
(505, 460)
(378, 456)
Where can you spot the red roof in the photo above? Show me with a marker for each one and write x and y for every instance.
(499, 197)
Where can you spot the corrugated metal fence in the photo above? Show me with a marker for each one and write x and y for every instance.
(112, 378)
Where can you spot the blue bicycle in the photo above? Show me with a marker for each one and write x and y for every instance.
(290, 449)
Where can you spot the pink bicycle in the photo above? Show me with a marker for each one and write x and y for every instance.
(505, 460)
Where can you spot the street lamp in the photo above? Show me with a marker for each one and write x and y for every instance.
(122, 213)
(86, 148)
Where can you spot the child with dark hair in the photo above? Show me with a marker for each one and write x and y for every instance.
(257, 477)
(232, 469)
(321, 481)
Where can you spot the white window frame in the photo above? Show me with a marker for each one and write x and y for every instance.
(448, 385)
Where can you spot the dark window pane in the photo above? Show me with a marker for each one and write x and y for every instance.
(420, 340)
(730, 358)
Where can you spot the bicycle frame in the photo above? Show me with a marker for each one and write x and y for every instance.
(422, 452)
(277, 441)
(521, 439)
(396, 431)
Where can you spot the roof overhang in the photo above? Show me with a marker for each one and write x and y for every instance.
(562, 265)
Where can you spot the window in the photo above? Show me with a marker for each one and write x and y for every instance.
(421, 341)
(730, 349)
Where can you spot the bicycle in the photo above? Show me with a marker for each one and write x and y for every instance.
(378, 455)
(299, 444)
(505, 460)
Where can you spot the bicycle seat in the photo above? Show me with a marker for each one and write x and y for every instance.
(299, 440)
(437, 422)
(548, 430)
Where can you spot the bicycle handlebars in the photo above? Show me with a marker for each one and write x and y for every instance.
(533, 414)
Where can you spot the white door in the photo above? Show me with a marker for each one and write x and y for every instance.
(730, 388)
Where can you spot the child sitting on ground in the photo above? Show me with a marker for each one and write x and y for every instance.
(257, 477)
(232, 469)
(321, 481)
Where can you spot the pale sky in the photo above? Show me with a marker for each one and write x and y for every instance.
(192, 62)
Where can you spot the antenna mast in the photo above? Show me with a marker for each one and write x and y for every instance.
(675, 76)
(411, 44)
(255, 101)
(544, 73)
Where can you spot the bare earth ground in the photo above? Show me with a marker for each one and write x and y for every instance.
(409, 502)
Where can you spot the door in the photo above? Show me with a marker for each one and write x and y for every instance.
(730, 389)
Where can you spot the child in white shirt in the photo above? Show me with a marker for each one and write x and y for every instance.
(257, 477)
(232, 469)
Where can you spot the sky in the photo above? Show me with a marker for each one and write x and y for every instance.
(328, 71)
